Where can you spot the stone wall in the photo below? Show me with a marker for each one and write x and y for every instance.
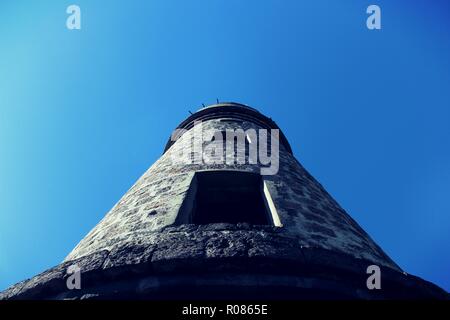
(310, 216)
(137, 251)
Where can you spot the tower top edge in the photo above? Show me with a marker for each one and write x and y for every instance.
(226, 110)
(227, 104)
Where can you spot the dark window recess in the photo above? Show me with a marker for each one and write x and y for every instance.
(225, 196)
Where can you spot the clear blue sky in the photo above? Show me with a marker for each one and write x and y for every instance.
(84, 113)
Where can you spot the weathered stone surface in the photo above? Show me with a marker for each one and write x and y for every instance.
(138, 251)
(12, 291)
(178, 248)
(224, 245)
(128, 254)
(259, 258)
(53, 280)
(305, 208)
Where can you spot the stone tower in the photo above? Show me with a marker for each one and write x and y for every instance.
(226, 212)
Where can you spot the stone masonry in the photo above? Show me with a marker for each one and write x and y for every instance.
(138, 251)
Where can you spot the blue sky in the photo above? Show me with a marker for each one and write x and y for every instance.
(84, 113)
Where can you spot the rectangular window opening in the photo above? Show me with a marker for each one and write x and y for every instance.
(228, 197)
